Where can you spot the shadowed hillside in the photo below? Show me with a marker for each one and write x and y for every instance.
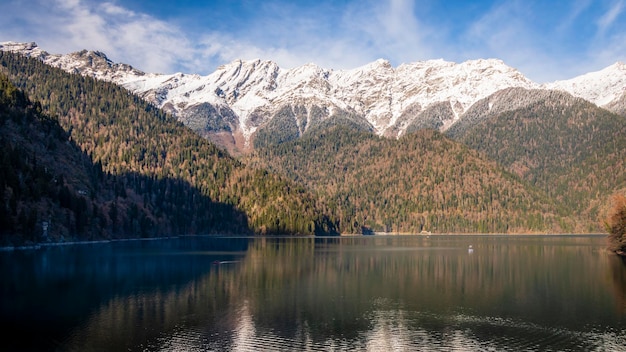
(52, 191)
(128, 136)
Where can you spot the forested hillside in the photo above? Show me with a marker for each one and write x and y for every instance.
(547, 164)
(569, 148)
(423, 181)
(51, 190)
(126, 136)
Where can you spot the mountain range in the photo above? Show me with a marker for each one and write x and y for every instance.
(434, 145)
(238, 102)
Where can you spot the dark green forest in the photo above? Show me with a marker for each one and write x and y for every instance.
(121, 147)
(46, 178)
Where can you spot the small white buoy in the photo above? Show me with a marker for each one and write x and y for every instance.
(470, 249)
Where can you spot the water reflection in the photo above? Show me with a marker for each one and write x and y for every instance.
(374, 293)
(618, 278)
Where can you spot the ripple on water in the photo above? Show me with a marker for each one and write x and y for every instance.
(508, 335)
(396, 330)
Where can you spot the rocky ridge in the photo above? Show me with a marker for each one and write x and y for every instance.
(233, 103)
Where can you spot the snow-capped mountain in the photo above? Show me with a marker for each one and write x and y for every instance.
(239, 99)
(601, 87)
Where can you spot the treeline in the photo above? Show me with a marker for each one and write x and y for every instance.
(423, 181)
(129, 138)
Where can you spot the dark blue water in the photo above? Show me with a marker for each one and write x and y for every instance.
(377, 293)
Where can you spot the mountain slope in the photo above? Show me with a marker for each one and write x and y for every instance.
(128, 136)
(602, 88)
(618, 105)
(422, 181)
(52, 191)
(564, 145)
(506, 100)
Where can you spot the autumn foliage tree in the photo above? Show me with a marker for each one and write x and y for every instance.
(616, 225)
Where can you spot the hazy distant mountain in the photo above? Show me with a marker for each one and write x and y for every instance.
(239, 99)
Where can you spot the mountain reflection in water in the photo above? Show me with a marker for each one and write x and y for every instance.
(349, 293)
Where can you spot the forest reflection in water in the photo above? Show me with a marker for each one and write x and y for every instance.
(362, 293)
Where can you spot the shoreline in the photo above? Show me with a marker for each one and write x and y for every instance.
(472, 234)
(36, 246)
(41, 245)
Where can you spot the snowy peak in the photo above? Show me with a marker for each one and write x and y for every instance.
(600, 87)
(391, 100)
(235, 80)
(94, 64)
(27, 49)
(304, 76)
(380, 66)
(89, 63)
(383, 93)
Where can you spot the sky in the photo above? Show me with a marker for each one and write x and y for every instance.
(546, 40)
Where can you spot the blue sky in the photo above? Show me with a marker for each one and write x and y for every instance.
(545, 40)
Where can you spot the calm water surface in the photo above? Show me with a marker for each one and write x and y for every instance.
(383, 293)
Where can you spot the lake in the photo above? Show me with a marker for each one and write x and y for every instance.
(366, 293)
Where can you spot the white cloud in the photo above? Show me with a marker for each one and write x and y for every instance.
(115, 10)
(125, 36)
(338, 38)
(577, 8)
(358, 34)
(389, 29)
(334, 35)
(610, 16)
(613, 52)
(606, 46)
(544, 52)
(505, 33)
(216, 48)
